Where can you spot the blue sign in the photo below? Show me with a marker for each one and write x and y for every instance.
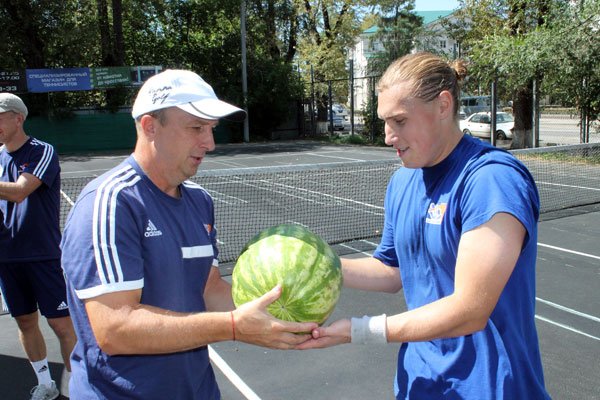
(58, 80)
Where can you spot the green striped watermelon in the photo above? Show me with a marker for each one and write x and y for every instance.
(308, 270)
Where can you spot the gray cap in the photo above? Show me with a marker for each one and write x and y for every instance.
(10, 102)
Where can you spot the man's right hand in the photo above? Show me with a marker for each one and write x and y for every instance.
(255, 325)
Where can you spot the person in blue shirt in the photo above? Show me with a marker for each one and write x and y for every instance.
(30, 272)
(141, 259)
(460, 238)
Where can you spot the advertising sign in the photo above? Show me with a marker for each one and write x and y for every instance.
(107, 77)
(58, 80)
(13, 81)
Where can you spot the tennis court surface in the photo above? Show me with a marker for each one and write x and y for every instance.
(337, 191)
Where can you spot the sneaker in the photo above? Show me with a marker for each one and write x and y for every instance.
(43, 392)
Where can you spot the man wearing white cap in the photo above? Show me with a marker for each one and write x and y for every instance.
(140, 257)
(30, 273)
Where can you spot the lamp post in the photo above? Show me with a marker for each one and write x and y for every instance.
(244, 74)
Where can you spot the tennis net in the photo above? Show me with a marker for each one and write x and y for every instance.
(566, 176)
(343, 202)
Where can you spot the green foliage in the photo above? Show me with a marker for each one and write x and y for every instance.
(554, 42)
(327, 29)
(201, 35)
(357, 138)
(397, 28)
(573, 74)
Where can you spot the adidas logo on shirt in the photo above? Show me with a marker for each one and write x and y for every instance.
(151, 230)
(62, 306)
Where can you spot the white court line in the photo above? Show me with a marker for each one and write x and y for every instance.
(568, 186)
(337, 157)
(569, 251)
(567, 327)
(83, 171)
(569, 310)
(67, 198)
(312, 192)
(362, 203)
(357, 250)
(231, 375)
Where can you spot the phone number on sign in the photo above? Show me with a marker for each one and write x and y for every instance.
(8, 88)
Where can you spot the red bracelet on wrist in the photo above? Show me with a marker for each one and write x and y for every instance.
(232, 325)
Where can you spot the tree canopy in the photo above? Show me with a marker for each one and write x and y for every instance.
(554, 42)
(514, 41)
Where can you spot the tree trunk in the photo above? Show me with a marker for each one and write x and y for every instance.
(523, 112)
(523, 101)
(104, 27)
(119, 48)
(32, 47)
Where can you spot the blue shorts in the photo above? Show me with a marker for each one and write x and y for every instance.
(27, 286)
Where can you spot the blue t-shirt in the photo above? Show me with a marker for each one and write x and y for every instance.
(32, 226)
(426, 212)
(122, 234)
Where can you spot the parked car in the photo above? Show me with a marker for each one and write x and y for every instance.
(478, 125)
(340, 123)
(339, 109)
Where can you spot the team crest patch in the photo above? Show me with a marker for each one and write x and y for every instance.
(23, 167)
(435, 214)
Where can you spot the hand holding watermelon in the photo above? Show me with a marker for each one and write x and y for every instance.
(253, 324)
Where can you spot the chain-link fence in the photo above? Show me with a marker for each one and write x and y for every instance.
(349, 107)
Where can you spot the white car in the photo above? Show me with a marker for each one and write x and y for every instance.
(478, 125)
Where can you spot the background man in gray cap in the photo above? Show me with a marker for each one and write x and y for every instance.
(141, 259)
(30, 270)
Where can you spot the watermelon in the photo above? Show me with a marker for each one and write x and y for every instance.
(308, 270)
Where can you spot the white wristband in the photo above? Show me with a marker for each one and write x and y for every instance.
(369, 330)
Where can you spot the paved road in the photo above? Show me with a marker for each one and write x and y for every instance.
(563, 130)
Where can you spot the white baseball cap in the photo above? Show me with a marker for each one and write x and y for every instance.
(10, 102)
(185, 90)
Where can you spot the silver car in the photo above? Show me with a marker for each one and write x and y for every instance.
(478, 125)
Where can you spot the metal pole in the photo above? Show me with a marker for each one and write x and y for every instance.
(330, 108)
(312, 102)
(244, 74)
(493, 115)
(536, 115)
(373, 111)
(351, 96)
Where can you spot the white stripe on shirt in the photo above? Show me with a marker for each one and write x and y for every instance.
(109, 288)
(197, 251)
(42, 166)
(104, 212)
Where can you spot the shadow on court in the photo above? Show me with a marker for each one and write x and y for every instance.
(17, 378)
